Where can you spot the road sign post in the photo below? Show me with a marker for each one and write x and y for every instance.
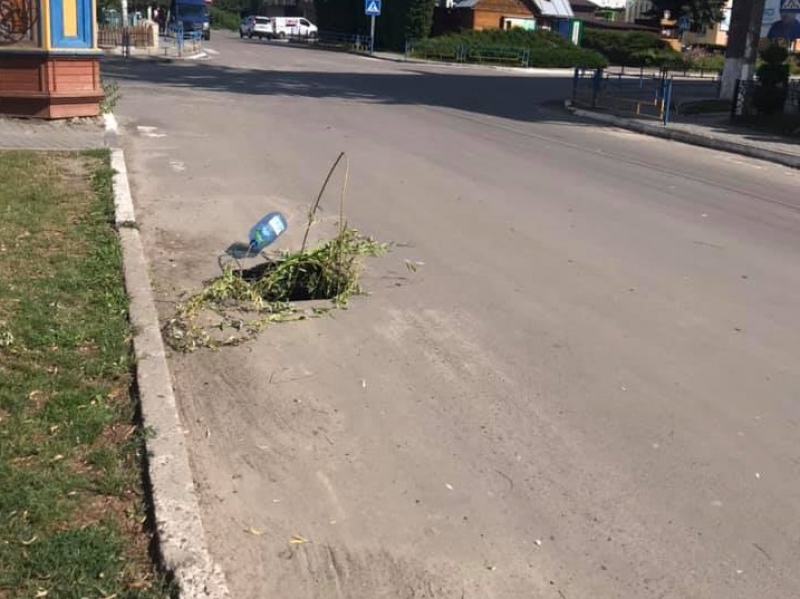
(372, 8)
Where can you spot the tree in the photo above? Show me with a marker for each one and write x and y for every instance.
(400, 20)
(743, 37)
(419, 19)
(702, 14)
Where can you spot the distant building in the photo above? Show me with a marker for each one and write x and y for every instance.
(715, 36)
(476, 15)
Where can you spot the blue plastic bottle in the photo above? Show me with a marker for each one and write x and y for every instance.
(267, 230)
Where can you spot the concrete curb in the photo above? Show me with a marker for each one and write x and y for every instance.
(469, 65)
(686, 137)
(179, 529)
(157, 56)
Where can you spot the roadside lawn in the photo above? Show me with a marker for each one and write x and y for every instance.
(73, 519)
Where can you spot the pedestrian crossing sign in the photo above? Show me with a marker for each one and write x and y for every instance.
(372, 8)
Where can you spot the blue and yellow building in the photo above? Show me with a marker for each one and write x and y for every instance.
(49, 59)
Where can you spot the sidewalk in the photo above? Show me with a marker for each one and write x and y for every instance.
(32, 134)
(709, 131)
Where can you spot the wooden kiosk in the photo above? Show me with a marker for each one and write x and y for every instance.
(49, 60)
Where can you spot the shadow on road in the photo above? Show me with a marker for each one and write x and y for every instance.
(508, 96)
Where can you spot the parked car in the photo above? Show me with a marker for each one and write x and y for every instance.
(283, 27)
(260, 27)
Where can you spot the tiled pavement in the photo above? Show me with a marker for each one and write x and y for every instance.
(718, 127)
(30, 134)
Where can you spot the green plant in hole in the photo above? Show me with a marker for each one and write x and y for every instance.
(111, 95)
(236, 306)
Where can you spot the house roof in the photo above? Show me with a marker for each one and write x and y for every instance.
(615, 4)
(555, 8)
(547, 8)
(583, 6)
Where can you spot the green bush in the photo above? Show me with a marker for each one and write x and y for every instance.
(222, 19)
(666, 59)
(546, 48)
(769, 95)
(715, 62)
(626, 48)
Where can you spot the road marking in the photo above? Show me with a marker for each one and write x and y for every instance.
(149, 131)
(212, 52)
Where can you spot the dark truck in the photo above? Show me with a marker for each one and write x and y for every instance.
(193, 15)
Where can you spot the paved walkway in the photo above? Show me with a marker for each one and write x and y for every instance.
(31, 134)
(711, 131)
(719, 127)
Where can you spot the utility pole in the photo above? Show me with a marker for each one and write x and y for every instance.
(124, 13)
(743, 38)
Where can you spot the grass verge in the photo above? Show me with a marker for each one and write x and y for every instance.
(72, 510)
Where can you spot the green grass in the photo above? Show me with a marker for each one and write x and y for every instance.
(71, 507)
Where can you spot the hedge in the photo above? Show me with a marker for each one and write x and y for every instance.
(546, 49)
(626, 48)
(223, 19)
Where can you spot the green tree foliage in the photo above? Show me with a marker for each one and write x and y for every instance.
(400, 20)
(773, 77)
(620, 47)
(419, 19)
(701, 13)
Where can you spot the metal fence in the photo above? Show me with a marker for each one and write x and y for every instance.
(114, 36)
(703, 74)
(744, 104)
(509, 55)
(646, 96)
(334, 40)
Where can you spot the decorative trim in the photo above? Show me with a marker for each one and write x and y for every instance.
(84, 38)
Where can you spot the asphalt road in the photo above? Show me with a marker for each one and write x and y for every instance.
(590, 389)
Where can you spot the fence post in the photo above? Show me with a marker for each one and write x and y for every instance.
(126, 41)
(667, 99)
(526, 57)
(575, 84)
(596, 82)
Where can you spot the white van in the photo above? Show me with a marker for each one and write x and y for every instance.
(283, 27)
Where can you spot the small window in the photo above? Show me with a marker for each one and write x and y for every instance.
(304, 23)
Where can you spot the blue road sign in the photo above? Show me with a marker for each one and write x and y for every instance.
(372, 8)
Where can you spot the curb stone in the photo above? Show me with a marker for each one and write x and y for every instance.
(529, 71)
(157, 56)
(696, 139)
(179, 529)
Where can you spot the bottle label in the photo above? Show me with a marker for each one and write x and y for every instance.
(276, 224)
